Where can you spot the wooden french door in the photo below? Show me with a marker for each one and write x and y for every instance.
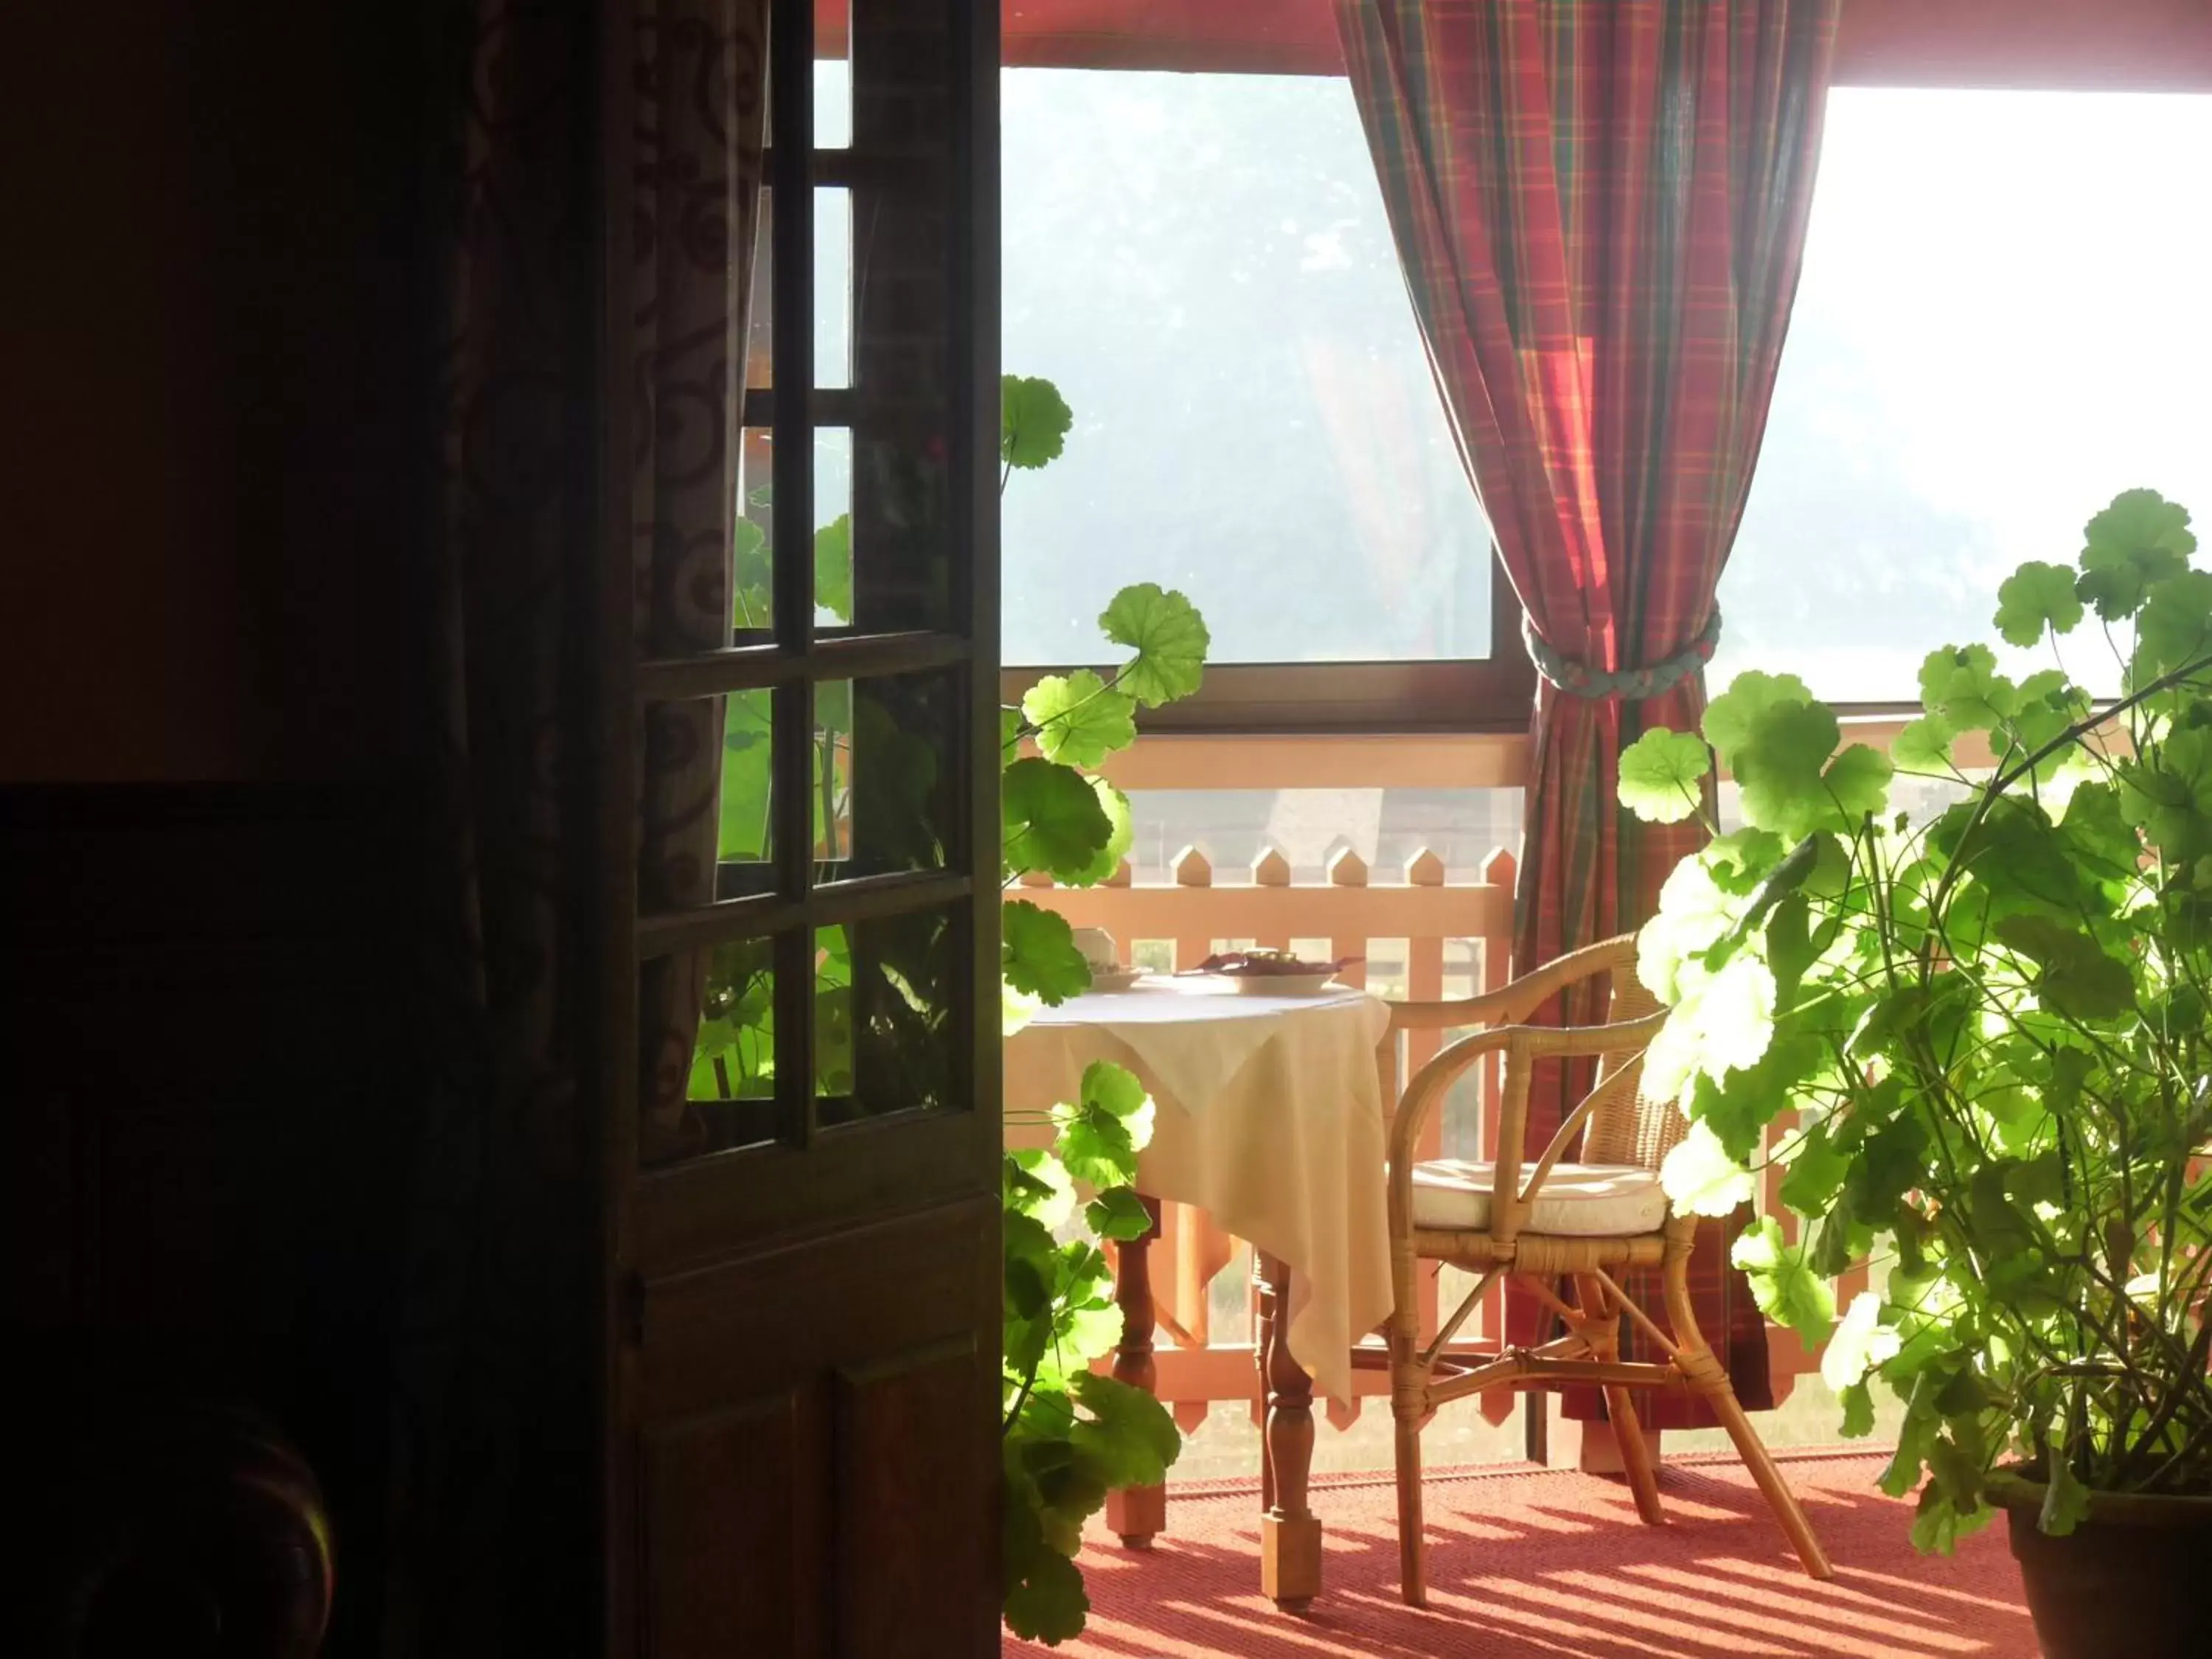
(802, 1309)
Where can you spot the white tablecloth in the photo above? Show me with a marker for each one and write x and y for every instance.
(1270, 1119)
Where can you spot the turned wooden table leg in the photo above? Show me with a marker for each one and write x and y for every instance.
(1290, 1535)
(1137, 1514)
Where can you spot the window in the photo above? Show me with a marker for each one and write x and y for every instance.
(1203, 264)
(2001, 324)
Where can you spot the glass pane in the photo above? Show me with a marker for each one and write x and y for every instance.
(1384, 827)
(832, 287)
(832, 293)
(745, 833)
(755, 589)
(833, 77)
(896, 771)
(888, 1037)
(2000, 325)
(1203, 265)
(728, 1084)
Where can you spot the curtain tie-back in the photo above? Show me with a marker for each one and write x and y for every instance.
(1627, 685)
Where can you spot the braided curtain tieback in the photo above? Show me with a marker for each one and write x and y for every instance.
(1630, 684)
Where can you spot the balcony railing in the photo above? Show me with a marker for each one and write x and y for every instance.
(1428, 924)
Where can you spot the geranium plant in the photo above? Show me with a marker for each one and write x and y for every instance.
(1993, 1030)
(1070, 1434)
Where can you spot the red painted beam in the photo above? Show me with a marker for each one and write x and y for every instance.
(2083, 45)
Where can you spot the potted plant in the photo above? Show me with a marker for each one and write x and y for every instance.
(1992, 1030)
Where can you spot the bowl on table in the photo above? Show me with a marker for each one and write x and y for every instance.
(1273, 973)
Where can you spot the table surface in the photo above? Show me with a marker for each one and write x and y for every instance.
(1269, 1118)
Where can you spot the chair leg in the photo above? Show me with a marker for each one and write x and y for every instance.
(1706, 1374)
(1412, 1578)
(1619, 1409)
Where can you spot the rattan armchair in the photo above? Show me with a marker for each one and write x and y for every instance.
(1548, 1221)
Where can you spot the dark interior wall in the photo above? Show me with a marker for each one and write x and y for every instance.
(214, 386)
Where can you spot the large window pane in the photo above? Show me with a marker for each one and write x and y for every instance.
(2001, 324)
(1202, 264)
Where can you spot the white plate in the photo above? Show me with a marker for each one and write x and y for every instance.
(1110, 980)
(1280, 985)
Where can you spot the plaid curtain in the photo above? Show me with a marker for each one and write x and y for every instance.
(1599, 206)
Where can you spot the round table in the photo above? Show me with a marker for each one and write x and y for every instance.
(1270, 1118)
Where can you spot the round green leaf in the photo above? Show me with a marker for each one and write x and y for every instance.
(2140, 538)
(1700, 1178)
(1924, 745)
(1961, 685)
(1118, 842)
(1729, 716)
(1660, 774)
(1861, 1343)
(2175, 628)
(1037, 953)
(2035, 597)
(1168, 636)
(1787, 1289)
(1052, 819)
(832, 567)
(1079, 719)
(1033, 420)
(1857, 783)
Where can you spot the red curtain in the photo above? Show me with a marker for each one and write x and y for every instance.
(1600, 207)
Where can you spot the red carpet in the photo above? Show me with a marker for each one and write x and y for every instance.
(1541, 1563)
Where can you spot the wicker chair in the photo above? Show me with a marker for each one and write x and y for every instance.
(1547, 1222)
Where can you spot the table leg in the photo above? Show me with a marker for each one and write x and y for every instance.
(1290, 1535)
(1137, 1514)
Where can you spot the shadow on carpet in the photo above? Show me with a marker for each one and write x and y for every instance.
(1552, 1562)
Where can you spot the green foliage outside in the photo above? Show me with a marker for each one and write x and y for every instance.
(1996, 1027)
(1070, 1435)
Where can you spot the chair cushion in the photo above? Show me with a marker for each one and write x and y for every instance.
(1578, 1201)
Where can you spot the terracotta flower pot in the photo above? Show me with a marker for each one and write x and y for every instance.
(2128, 1581)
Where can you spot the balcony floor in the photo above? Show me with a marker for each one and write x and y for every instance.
(1529, 1564)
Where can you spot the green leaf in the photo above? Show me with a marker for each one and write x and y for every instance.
(1168, 636)
(1939, 1522)
(1096, 1147)
(1924, 745)
(1779, 765)
(1728, 717)
(2065, 1500)
(833, 566)
(1122, 837)
(1037, 952)
(1130, 1437)
(2167, 793)
(1738, 1107)
(1036, 1185)
(1660, 774)
(1079, 719)
(2140, 538)
(1053, 820)
(2035, 597)
(1047, 1603)
(1960, 686)
(1118, 1214)
(1858, 1401)
(1857, 783)
(2175, 628)
(1788, 1291)
(1861, 1344)
(2077, 978)
(1010, 737)
(1033, 420)
(1112, 1088)
(1700, 1178)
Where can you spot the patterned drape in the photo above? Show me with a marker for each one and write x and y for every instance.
(1600, 207)
(496, 1453)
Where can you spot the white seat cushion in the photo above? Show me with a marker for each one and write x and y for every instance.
(1578, 1201)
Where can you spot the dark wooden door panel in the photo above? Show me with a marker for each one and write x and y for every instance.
(733, 1531)
(844, 1504)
